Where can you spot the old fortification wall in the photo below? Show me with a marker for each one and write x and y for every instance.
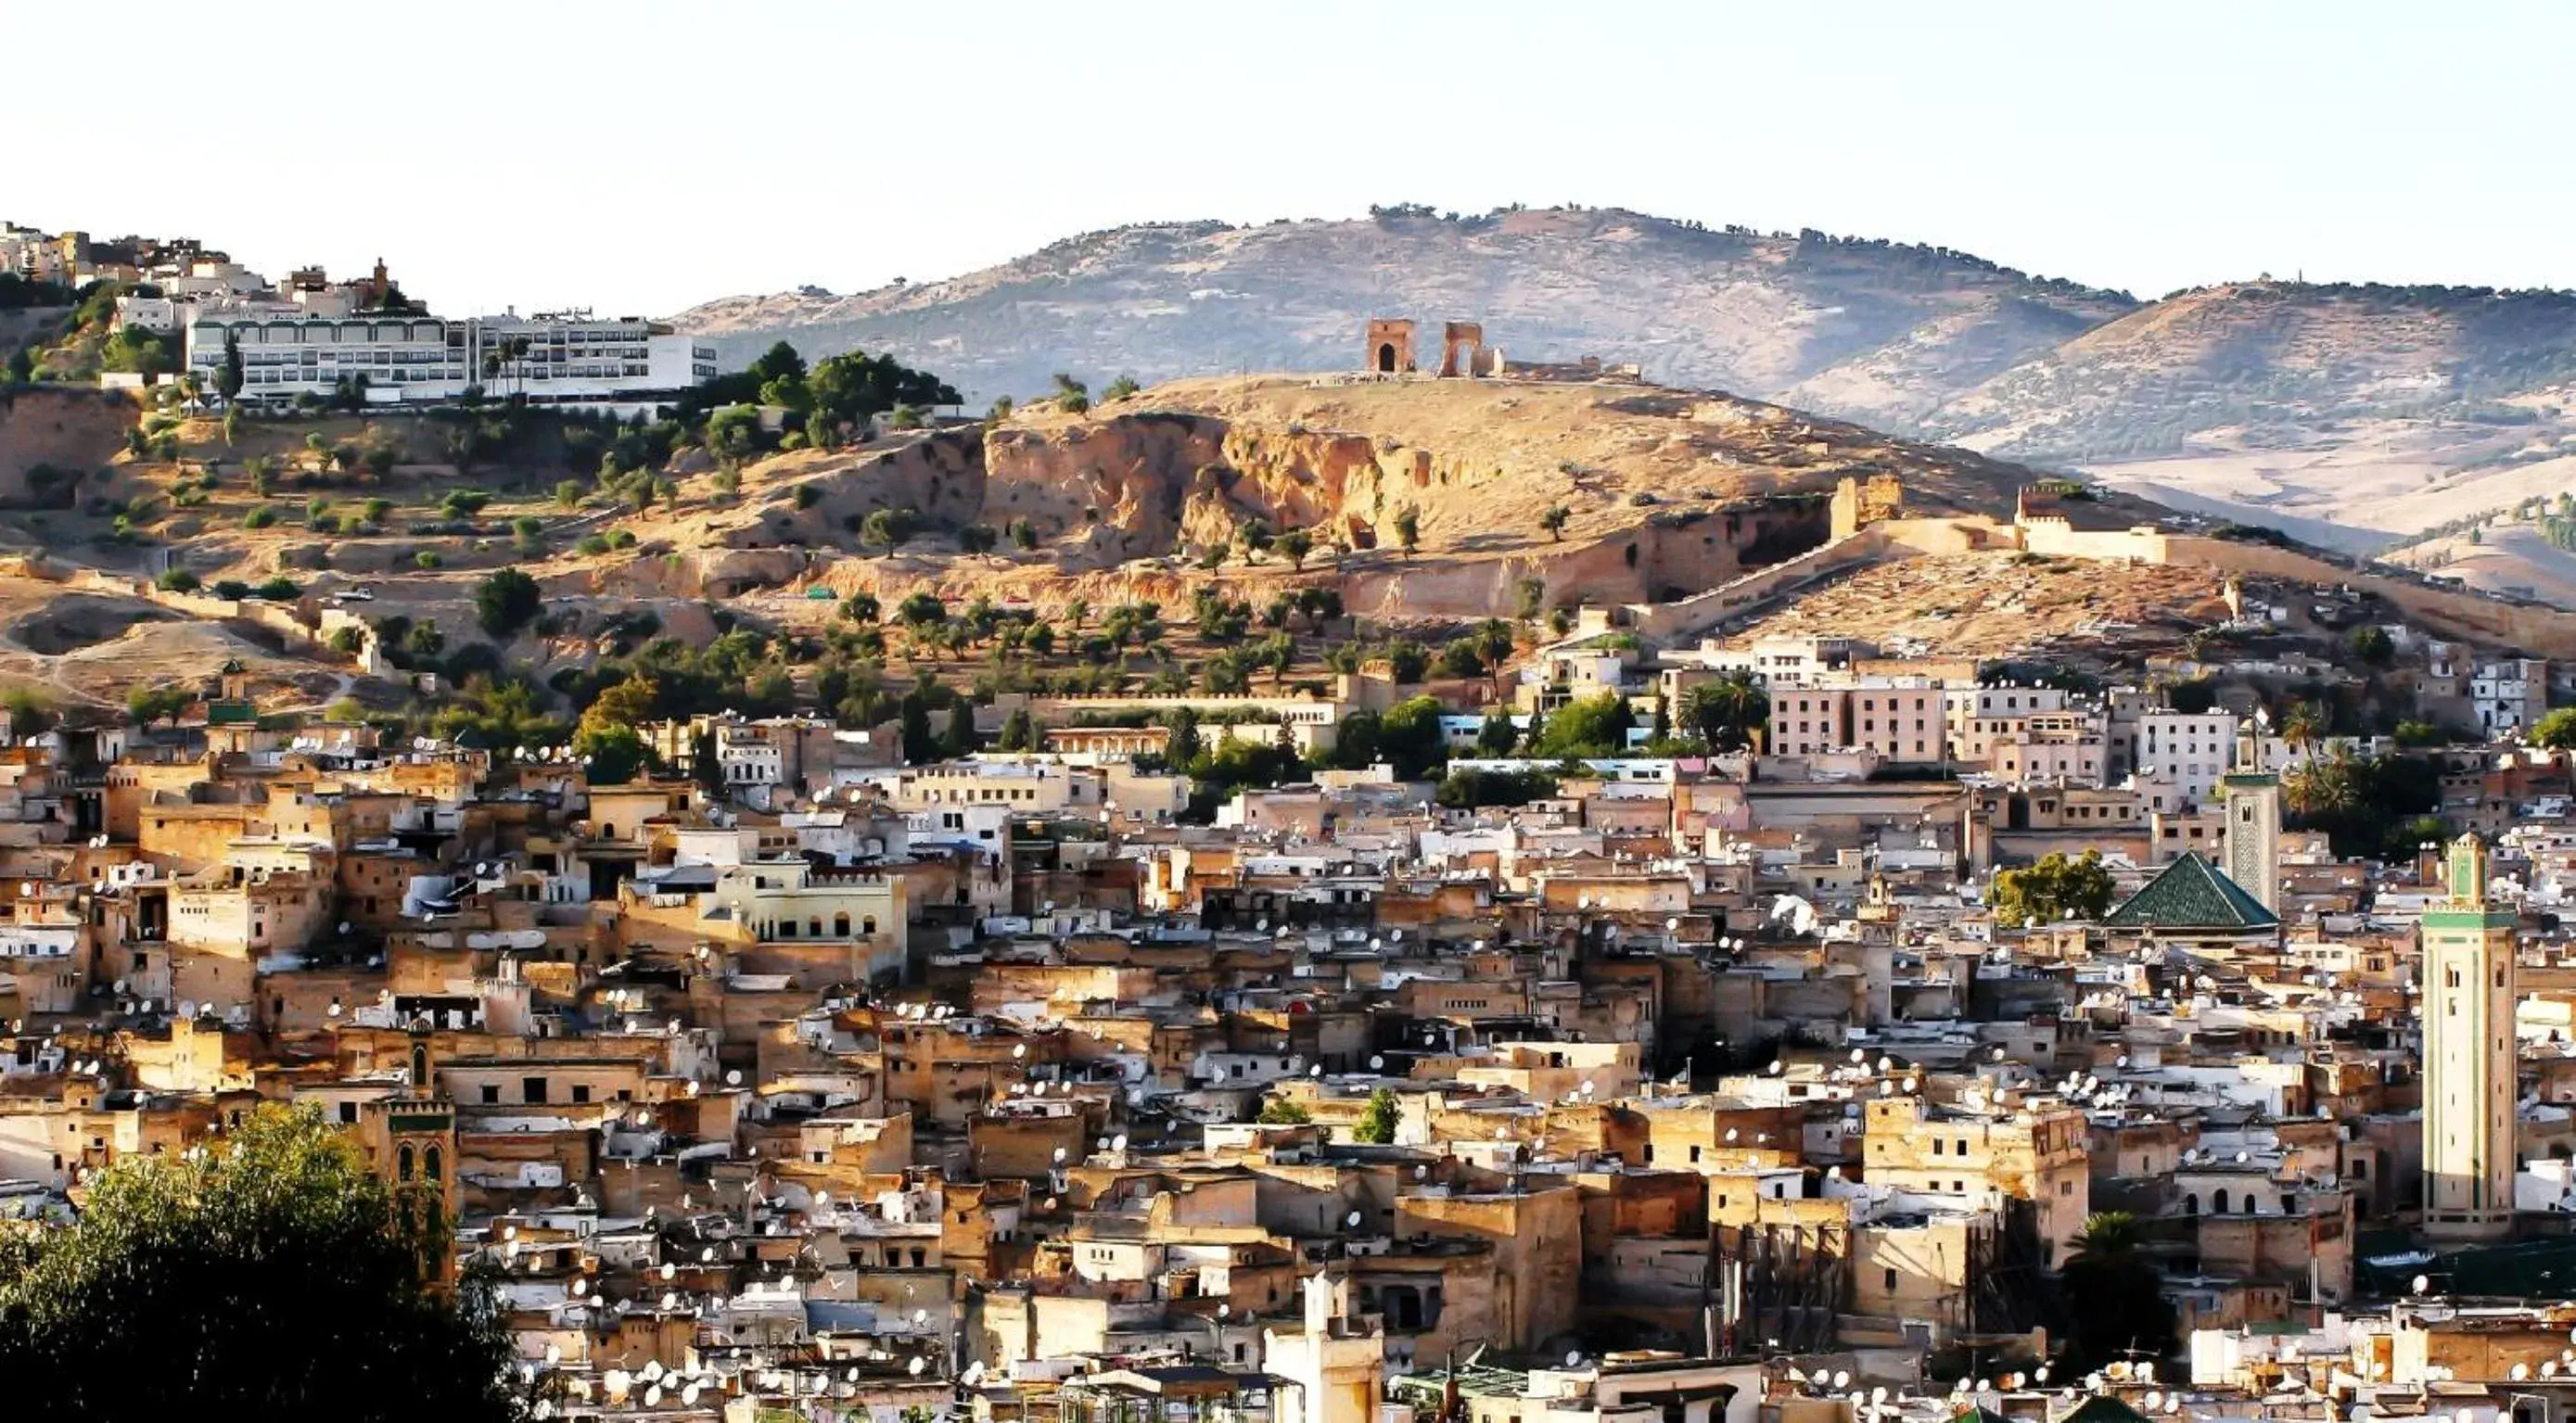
(2539, 631)
(73, 430)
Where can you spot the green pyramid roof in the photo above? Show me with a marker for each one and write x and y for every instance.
(2192, 893)
(2103, 1408)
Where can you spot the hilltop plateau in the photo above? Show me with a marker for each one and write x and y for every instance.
(2351, 416)
(1226, 533)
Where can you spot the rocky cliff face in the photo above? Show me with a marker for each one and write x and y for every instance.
(53, 438)
(1154, 483)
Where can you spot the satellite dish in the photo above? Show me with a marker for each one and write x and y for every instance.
(734, 1078)
(1352, 1220)
(669, 1269)
(1376, 1062)
(916, 1366)
(1119, 1142)
(1573, 1357)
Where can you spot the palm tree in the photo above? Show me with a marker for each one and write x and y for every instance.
(2114, 1294)
(2322, 787)
(2108, 1237)
(2305, 726)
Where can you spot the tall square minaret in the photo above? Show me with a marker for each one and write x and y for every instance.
(2253, 834)
(2470, 1077)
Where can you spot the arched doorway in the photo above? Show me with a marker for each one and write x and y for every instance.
(1386, 358)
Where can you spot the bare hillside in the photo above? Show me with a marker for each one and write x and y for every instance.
(1886, 327)
(2274, 365)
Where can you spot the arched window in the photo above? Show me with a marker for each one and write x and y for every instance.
(430, 1164)
(420, 1065)
(2218, 1202)
(403, 1163)
(2191, 1203)
(841, 925)
(868, 925)
(814, 927)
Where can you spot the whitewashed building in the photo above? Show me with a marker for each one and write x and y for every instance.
(621, 363)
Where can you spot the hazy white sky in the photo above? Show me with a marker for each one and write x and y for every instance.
(641, 156)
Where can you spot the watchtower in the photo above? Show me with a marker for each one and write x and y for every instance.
(1390, 346)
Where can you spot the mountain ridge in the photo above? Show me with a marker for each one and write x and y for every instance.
(1726, 308)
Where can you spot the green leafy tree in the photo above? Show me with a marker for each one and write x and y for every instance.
(2052, 889)
(1469, 789)
(1071, 396)
(2413, 732)
(1590, 726)
(30, 713)
(1296, 543)
(1460, 659)
(2373, 646)
(1377, 1123)
(505, 601)
(920, 744)
(423, 640)
(229, 375)
(160, 703)
(1554, 521)
(2556, 730)
(1282, 1112)
(22, 366)
(1020, 731)
(272, 1274)
(1120, 388)
(733, 433)
(920, 609)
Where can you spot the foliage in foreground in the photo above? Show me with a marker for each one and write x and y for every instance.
(271, 1275)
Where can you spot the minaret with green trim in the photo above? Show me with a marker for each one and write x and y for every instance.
(2470, 1079)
